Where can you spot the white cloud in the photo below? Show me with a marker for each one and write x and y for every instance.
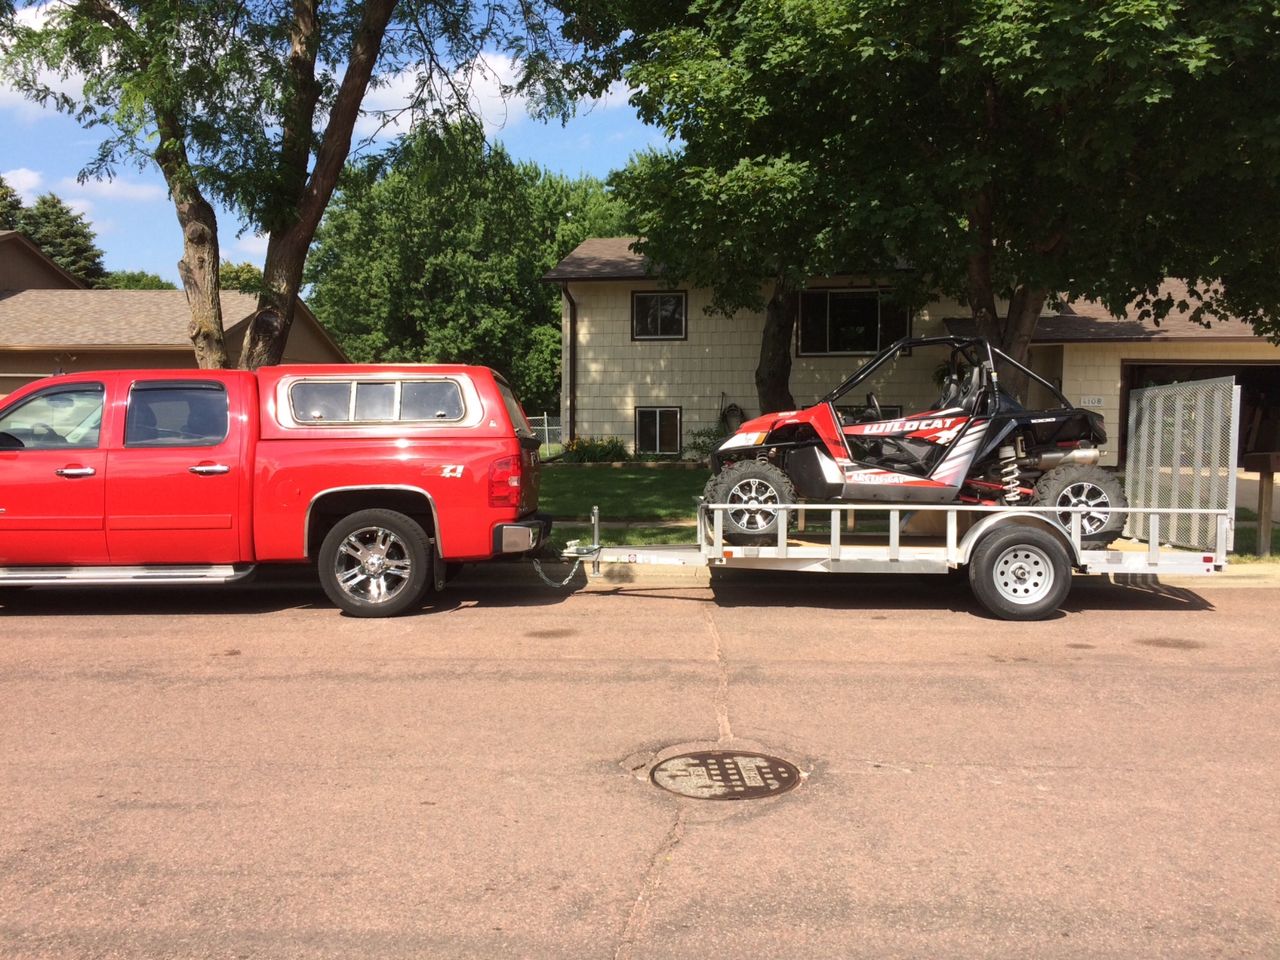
(72, 85)
(253, 245)
(81, 205)
(388, 111)
(113, 189)
(26, 182)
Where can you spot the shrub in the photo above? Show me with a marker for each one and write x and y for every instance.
(699, 444)
(587, 450)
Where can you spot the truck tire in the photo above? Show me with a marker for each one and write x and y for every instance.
(1094, 487)
(375, 563)
(1020, 573)
(750, 487)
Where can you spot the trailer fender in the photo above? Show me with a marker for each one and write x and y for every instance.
(969, 542)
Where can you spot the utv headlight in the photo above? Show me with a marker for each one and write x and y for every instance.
(743, 440)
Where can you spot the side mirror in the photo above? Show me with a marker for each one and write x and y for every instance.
(9, 442)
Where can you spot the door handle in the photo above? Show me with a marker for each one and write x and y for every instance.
(73, 472)
(209, 469)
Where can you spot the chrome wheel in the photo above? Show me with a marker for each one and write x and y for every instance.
(1023, 574)
(751, 500)
(1084, 493)
(373, 565)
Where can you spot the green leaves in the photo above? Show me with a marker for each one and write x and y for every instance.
(1047, 144)
(435, 252)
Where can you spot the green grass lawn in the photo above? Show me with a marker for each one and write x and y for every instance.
(637, 535)
(625, 493)
(1246, 544)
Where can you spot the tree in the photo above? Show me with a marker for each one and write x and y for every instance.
(64, 236)
(244, 277)
(10, 207)
(435, 251)
(1008, 150)
(135, 280)
(255, 105)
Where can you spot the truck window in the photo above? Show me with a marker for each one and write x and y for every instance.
(515, 412)
(173, 414)
(323, 401)
(61, 418)
(365, 401)
(431, 400)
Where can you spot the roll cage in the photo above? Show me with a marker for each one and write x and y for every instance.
(975, 351)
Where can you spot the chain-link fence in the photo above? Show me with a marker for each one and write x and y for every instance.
(1182, 455)
(547, 428)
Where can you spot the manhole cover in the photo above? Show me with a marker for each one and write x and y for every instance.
(722, 775)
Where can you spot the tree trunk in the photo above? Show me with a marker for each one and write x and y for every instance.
(1020, 324)
(287, 249)
(268, 331)
(200, 255)
(773, 375)
(199, 270)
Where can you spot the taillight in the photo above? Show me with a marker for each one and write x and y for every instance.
(504, 482)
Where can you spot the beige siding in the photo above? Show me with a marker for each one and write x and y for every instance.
(617, 374)
(1094, 369)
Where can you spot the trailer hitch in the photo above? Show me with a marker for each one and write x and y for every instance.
(575, 551)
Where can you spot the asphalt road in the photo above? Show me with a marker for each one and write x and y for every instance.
(242, 772)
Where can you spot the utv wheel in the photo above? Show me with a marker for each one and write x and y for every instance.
(751, 488)
(375, 563)
(1020, 573)
(1095, 488)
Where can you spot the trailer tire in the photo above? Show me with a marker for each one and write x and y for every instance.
(375, 563)
(1077, 486)
(750, 487)
(1020, 573)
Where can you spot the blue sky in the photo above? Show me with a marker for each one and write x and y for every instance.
(42, 151)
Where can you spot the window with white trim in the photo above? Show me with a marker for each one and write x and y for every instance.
(850, 321)
(658, 315)
(658, 430)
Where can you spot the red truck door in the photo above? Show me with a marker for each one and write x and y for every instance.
(52, 472)
(174, 475)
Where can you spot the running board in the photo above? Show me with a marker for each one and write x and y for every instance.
(89, 576)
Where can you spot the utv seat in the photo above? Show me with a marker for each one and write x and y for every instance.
(973, 391)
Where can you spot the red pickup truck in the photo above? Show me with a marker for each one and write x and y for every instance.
(383, 476)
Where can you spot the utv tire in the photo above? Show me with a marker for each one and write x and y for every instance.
(751, 487)
(1094, 487)
(710, 487)
(375, 563)
(1020, 573)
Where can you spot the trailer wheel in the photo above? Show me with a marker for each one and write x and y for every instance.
(1020, 573)
(750, 488)
(1095, 488)
(375, 563)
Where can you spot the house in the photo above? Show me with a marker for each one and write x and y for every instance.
(49, 322)
(649, 364)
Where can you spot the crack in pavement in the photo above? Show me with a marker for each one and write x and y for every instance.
(724, 731)
(638, 918)
(639, 915)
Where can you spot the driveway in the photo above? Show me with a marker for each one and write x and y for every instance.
(242, 772)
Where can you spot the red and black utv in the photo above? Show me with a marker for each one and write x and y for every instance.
(935, 428)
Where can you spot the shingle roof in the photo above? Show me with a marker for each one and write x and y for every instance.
(1087, 321)
(601, 258)
(84, 318)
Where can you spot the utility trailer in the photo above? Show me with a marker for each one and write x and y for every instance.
(1180, 480)
(1020, 560)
